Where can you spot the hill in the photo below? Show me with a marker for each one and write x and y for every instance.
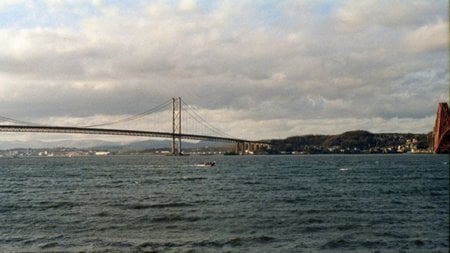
(352, 142)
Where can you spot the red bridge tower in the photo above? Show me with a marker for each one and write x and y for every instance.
(441, 132)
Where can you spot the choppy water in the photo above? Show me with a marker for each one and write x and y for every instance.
(384, 203)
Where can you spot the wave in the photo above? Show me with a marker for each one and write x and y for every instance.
(343, 244)
(45, 205)
(237, 241)
(49, 245)
(313, 229)
(336, 243)
(252, 182)
(102, 214)
(174, 218)
(139, 206)
(155, 246)
(233, 242)
(346, 227)
(191, 178)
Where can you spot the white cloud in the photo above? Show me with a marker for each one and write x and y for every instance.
(188, 5)
(428, 37)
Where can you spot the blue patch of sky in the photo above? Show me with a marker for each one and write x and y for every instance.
(270, 13)
(68, 17)
(207, 6)
(39, 14)
(326, 7)
(125, 4)
(129, 6)
(13, 16)
(259, 15)
(265, 13)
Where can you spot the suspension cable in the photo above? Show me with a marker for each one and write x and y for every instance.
(22, 122)
(155, 109)
(203, 122)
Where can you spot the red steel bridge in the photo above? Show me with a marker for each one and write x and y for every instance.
(176, 134)
(441, 132)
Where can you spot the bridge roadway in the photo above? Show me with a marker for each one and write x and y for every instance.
(103, 131)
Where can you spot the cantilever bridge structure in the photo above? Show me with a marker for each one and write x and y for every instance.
(176, 135)
(441, 132)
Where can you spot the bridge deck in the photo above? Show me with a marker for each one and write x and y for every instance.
(103, 131)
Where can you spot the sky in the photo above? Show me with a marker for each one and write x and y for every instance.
(255, 69)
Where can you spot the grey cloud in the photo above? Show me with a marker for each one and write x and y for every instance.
(299, 68)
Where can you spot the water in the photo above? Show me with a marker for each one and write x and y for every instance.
(373, 203)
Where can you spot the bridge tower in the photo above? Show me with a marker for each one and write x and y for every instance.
(176, 126)
(441, 132)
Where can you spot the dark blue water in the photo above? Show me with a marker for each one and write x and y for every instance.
(373, 203)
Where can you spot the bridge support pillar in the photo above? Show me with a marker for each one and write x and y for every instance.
(248, 148)
(176, 126)
(243, 148)
(240, 148)
(252, 147)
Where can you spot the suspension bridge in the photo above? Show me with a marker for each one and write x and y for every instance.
(176, 133)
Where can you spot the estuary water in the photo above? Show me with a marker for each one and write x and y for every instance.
(312, 203)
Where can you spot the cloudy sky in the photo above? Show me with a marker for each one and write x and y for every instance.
(256, 69)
